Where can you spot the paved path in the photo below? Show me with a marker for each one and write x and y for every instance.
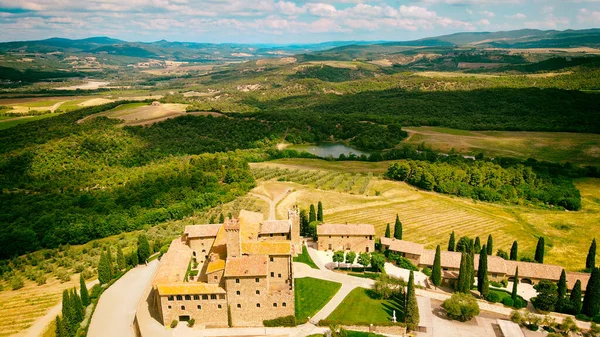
(118, 304)
(39, 326)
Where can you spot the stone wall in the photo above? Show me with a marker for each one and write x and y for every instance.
(201, 248)
(355, 243)
(209, 310)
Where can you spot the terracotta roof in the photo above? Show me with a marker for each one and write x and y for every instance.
(214, 266)
(447, 259)
(219, 249)
(403, 246)
(267, 248)
(201, 231)
(572, 277)
(534, 270)
(189, 288)
(275, 227)
(174, 264)
(255, 265)
(495, 264)
(330, 229)
(249, 225)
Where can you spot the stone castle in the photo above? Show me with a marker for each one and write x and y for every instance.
(238, 273)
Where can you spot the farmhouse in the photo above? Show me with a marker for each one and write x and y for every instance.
(238, 273)
(357, 238)
(498, 268)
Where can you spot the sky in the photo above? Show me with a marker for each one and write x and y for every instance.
(284, 22)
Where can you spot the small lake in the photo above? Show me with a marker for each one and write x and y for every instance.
(327, 150)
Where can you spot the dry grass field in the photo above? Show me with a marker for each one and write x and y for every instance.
(141, 113)
(429, 217)
(578, 148)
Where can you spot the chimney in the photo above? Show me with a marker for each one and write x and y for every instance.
(234, 243)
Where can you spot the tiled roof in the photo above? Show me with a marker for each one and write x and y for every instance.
(403, 246)
(200, 231)
(330, 229)
(572, 277)
(189, 288)
(250, 225)
(447, 259)
(219, 249)
(534, 270)
(174, 264)
(255, 265)
(495, 264)
(275, 227)
(214, 266)
(267, 248)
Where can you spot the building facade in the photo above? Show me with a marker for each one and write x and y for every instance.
(238, 273)
(356, 238)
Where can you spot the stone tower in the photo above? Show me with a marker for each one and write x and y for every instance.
(294, 217)
(234, 241)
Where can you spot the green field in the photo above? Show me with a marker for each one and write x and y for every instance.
(12, 121)
(305, 258)
(311, 295)
(360, 308)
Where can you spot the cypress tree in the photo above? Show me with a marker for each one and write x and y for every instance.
(515, 285)
(490, 245)
(575, 297)
(590, 261)
(539, 251)
(110, 261)
(77, 306)
(312, 214)
(304, 223)
(514, 251)
(221, 218)
(398, 228)
(59, 328)
(121, 258)
(387, 231)
(591, 300)
(66, 313)
(463, 274)
(472, 275)
(85, 296)
(451, 242)
(436, 273)
(562, 291)
(143, 248)
(477, 245)
(103, 270)
(319, 211)
(411, 315)
(134, 258)
(482, 273)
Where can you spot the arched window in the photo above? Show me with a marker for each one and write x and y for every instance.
(258, 305)
(188, 297)
(258, 292)
(199, 307)
(179, 297)
(183, 307)
(275, 305)
(283, 304)
(238, 292)
(239, 305)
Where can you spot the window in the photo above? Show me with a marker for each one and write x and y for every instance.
(204, 297)
(370, 237)
(213, 297)
(283, 304)
(196, 297)
(330, 236)
(194, 253)
(275, 305)
(169, 307)
(258, 305)
(204, 250)
(272, 274)
(257, 280)
(179, 297)
(222, 296)
(271, 235)
(199, 306)
(239, 305)
(237, 280)
(367, 249)
(279, 275)
(216, 277)
(271, 258)
(258, 292)
(188, 297)
(183, 307)
(237, 292)
(219, 306)
(170, 298)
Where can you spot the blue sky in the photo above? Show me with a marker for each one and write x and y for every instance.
(274, 21)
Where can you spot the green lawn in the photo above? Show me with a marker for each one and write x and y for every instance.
(305, 258)
(311, 295)
(359, 308)
(15, 122)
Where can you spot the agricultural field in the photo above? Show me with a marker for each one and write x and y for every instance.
(142, 113)
(429, 217)
(577, 148)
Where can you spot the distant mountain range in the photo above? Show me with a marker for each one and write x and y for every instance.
(198, 52)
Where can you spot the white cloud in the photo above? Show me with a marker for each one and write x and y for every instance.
(518, 16)
(588, 16)
(488, 14)
(416, 12)
(289, 8)
(484, 22)
(322, 9)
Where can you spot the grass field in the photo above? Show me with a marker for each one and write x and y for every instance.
(311, 295)
(359, 308)
(578, 148)
(305, 258)
(429, 217)
(14, 121)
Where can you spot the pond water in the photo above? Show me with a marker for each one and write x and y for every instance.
(325, 150)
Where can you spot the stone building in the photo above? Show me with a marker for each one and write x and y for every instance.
(357, 238)
(239, 273)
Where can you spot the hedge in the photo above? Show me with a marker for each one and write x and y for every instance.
(280, 321)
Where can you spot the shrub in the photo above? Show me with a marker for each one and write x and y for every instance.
(95, 291)
(280, 321)
(40, 280)
(533, 327)
(504, 283)
(1, 287)
(519, 303)
(174, 323)
(516, 317)
(427, 271)
(596, 319)
(493, 297)
(583, 317)
(507, 301)
(461, 307)
(16, 283)
(403, 262)
(191, 322)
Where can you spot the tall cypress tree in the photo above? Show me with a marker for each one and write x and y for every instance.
(436, 273)
(451, 243)
(77, 306)
(562, 292)
(143, 248)
(514, 294)
(411, 315)
(388, 234)
(490, 245)
(471, 265)
(110, 260)
(514, 251)
(575, 297)
(103, 270)
(312, 214)
(590, 261)
(398, 228)
(539, 251)
(319, 211)
(66, 313)
(591, 300)
(482, 273)
(58, 330)
(85, 295)
(463, 274)
(304, 223)
(477, 245)
(120, 258)
(221, 218)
